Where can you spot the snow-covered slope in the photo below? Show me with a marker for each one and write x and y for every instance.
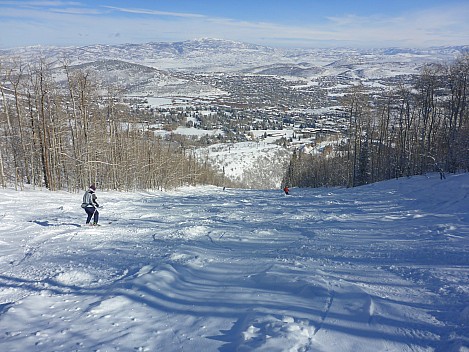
(382, 267)
(258, 165)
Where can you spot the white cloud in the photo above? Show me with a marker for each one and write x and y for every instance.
(76, 11)
(154, 12)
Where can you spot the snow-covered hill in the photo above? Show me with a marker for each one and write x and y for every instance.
(259, 165)
(382, 267)
(215, 55)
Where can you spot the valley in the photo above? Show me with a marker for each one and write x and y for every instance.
(221, 92)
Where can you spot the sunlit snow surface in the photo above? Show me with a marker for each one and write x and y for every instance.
(383, 267)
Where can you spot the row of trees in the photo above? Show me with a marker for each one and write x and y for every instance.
(61, 129)
(405, 131)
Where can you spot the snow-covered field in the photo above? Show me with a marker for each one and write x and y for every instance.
(383, 267)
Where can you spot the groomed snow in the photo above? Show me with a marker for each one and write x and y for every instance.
(383, 267)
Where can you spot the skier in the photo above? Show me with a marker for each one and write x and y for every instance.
(90, 205)
(286, 190)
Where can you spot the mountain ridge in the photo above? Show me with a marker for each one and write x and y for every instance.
(206, 54)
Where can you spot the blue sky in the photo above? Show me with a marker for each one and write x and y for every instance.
(292, 23)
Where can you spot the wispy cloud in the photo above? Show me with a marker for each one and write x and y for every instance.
(41, 3)
(155, 12)
(76, 11)
(435, 26)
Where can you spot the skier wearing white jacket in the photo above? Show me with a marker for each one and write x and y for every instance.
(90, 205)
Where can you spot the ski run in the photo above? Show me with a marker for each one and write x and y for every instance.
(382, 267)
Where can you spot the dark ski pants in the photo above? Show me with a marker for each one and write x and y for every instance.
(92, 213)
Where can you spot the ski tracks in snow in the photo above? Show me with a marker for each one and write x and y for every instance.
(212, 270)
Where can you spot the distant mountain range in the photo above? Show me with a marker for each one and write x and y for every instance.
(209, 55)
(175, 69)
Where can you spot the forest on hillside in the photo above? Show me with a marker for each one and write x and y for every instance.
(68, 132)
(409, 130)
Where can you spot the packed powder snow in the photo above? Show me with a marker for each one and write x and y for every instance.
(383, 267)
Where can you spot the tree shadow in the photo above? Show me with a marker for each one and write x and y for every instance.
(46, 223)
